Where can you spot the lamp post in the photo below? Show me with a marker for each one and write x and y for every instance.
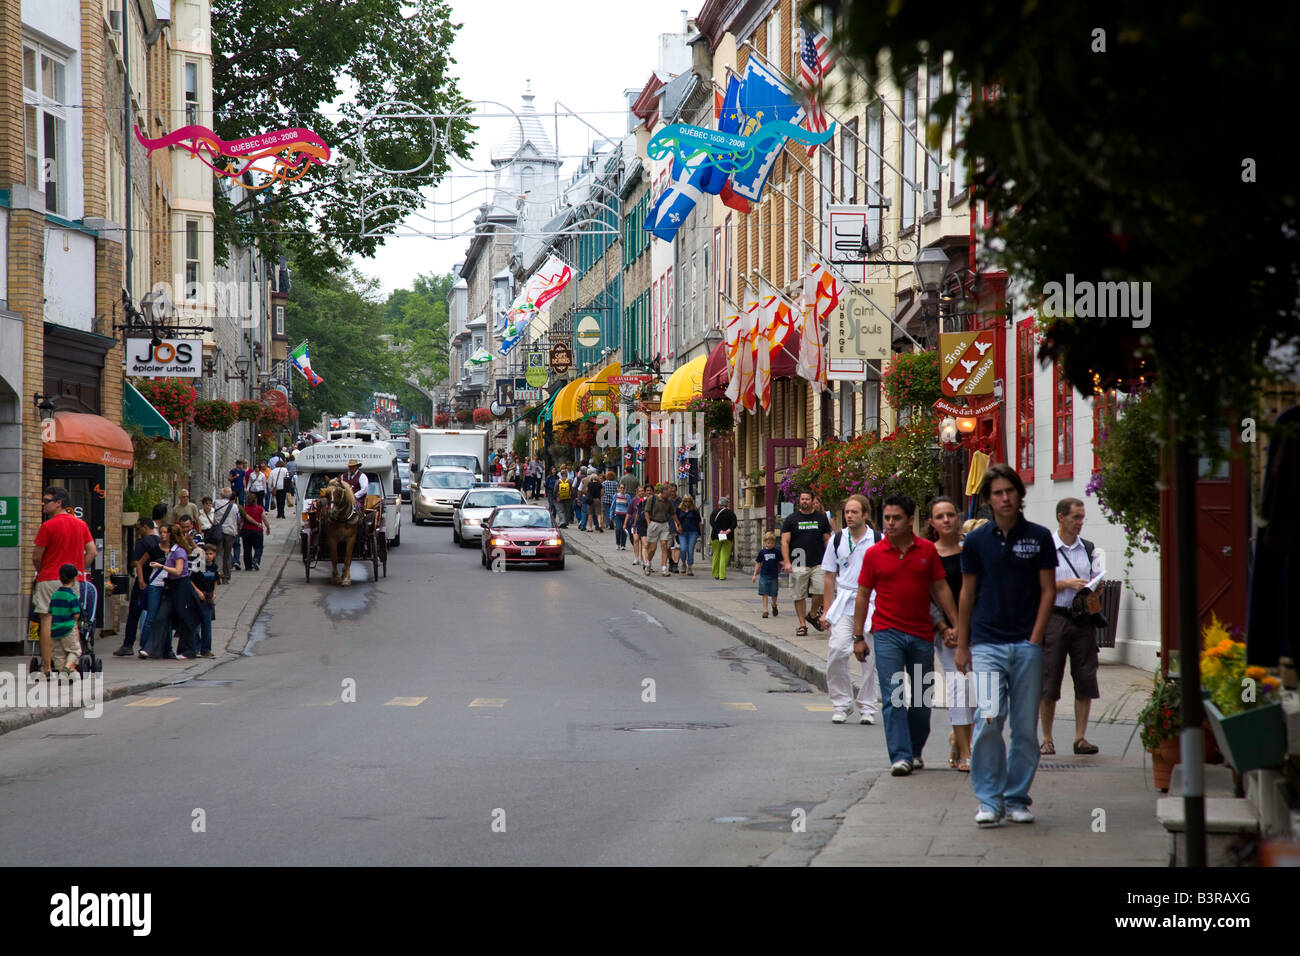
(45, 405)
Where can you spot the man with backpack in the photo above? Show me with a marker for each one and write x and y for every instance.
(279, 482)
(842, 563)
(224, 532)
(564, 497)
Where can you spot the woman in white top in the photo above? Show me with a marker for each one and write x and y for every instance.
(946, 534)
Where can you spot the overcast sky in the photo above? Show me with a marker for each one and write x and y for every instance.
(583, 53)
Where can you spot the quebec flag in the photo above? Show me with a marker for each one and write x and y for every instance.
(689, 184)
(763, 98)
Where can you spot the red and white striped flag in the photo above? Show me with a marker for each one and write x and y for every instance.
(816, 59)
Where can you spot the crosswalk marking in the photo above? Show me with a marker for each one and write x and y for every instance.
(819, 708)
(488, 702)
(406, 702)
(152, 701)
(739, 705)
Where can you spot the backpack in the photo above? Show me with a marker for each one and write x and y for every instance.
(620, 503)
(835, 541)
(562, 491)
(216, 532)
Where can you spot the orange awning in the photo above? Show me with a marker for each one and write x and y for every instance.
(89, 438)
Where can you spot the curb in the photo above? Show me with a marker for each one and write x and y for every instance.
(793, 658)
(243, 626)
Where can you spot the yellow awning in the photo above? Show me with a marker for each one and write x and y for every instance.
(565, 408)
(683, 385)
(599, 388)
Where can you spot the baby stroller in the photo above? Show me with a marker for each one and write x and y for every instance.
(89, 662)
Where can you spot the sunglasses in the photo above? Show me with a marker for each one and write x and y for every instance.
(48, 501)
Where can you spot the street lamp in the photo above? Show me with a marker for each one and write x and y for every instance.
(241, 369)
(45, 405)
(712, 339)
(931, 264)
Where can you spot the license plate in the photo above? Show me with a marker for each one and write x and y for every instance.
(528, 552)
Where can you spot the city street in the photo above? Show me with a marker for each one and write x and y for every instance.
(475, 693)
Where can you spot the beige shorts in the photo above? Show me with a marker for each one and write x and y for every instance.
(660, 531)
(44, 591)
(69, 645)
(805, 581)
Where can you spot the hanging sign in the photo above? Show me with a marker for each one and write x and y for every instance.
(966, 361)
(170, 358)
(944, 407)
(291, 152)
(535, 374)
(588, 332)
(561, 358)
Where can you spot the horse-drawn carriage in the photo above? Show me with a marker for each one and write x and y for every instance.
(339, 528)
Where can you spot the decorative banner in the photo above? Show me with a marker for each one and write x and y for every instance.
(294, 150)
(561, 358)
(170, 358)
(542, 286)
(535, 375)
(728, 152)
(966, 362)
(765, 101)
(961, 411)
(479, 358)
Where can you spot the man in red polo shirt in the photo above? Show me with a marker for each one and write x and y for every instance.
(63, 538)
(905, 572)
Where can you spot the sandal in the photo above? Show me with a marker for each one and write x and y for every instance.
(964, 765)
(1047, 748)
(954, 752)
(764, 614)
(801, 632)
(1081, 746)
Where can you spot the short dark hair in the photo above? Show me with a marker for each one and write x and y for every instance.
(160, 511)
(58, 493)
(145, 522)
(67, 573)
(901, 501)
(1066, 505)
(1001, 470)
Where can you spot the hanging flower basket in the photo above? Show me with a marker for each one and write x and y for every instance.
(248, 410)
(274, 416)
(216, 415)
(465, 416)
(482, 416)
(719, 416)
(441, 420)
(173, 397)
(912, 380)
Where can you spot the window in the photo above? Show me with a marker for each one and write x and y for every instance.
(774, 44)
(695, 314)
(875, 170)
(1062, 426)
(192, 278)
(907, 210)
(1105, 408)
(717, 285)
(728, 249)
(827, 179)
(45, 126)
(959, 120)
(1025, 399)
(656, 307)
(849, 161)
(279, 320)
(933, 89)
(667, 289)
(191, 93)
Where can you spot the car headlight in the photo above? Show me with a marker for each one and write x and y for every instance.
(499, 542)
(554, 542)
(474, 521)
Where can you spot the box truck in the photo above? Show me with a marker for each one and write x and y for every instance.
(447, 447)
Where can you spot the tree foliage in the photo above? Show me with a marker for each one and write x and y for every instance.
(322, 65)
(1135, 142)
(416, 319)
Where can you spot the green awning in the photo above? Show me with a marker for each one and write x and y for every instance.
(548, 406)
(137, 411)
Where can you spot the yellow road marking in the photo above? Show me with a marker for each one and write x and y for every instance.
(818, 708)
(739, 705)
(406, 702)
(488, 702)
(152, 701)
(319, 703)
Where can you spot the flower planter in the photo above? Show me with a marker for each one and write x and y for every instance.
(1163, 762)
(1251, 740)
(129, 518)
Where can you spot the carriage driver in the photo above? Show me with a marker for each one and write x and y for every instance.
(355, 478)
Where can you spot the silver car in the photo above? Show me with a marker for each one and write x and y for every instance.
(440, 489)
(467, 519)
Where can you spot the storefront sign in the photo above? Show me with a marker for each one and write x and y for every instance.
(860, 327)
(536, 374)
(8, 522)
(966, 362)
(945, 407)
(170, 358)
(561, 358)
(629, 379)
(588, 332)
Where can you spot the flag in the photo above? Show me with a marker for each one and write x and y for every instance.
(821, 294)
(815, 61)
(729, 120)
(480, 357)
(765, 316)
(689, 183)
(762, 99)
(300, 358)
(542, 286)
(741, 387)
(731, 331)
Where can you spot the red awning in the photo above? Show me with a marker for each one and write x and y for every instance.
(89, 438)
(716, 374)
(785, 360)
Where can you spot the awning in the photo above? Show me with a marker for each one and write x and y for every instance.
(565, 408)
(544, 413)
(139, 411)
(89, 438)
(907, 317)
(785, 360)
(599, 384)
(683, 385)
(716, 373)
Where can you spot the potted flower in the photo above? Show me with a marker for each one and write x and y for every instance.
(912, 380)
(1243, 704)
(1158, 724)
(482, 417)
(248, 410)
(441, 420)
(216, 415)
(465, 416)
(173, 397)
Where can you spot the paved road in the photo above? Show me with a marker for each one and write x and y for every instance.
(483, 701)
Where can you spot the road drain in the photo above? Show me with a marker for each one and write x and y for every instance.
(1044, 765)
(689, 725)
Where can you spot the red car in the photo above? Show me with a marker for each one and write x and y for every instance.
(521, 534)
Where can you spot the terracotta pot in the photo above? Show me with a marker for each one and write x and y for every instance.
(1163, 762)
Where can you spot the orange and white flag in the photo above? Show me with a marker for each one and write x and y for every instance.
(821, 294)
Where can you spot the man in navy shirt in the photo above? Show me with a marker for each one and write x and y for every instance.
(1008, 585)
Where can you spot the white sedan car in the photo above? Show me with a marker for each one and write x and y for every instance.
(467, 519)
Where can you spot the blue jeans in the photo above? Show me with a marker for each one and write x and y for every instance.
(152, 601)
(234, 551)
(580, 514)
(620, 532)
(1010, 679)
(205, 629)
(688, 547)
(907, 727)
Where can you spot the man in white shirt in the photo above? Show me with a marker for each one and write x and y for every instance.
(279, 481)
(842, 562)
(1077, 563)
(226, 513)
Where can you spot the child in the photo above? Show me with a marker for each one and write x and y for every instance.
(205, 589)
(65, 608)
(767, 567)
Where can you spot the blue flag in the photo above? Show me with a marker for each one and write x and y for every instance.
(689, 184)
(762, 98)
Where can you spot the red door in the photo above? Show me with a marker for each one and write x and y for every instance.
(1222, 541)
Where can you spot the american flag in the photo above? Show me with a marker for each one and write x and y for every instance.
(815, 61)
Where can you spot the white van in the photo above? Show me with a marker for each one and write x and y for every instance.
(318, 463)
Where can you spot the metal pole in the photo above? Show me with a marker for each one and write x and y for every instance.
(126, 143)
(1189, 662)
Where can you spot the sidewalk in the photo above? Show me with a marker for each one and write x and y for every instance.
(928, 818)
(238, 605)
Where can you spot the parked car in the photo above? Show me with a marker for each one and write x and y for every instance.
(467, 518)
(523, 534)
(440, 489)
